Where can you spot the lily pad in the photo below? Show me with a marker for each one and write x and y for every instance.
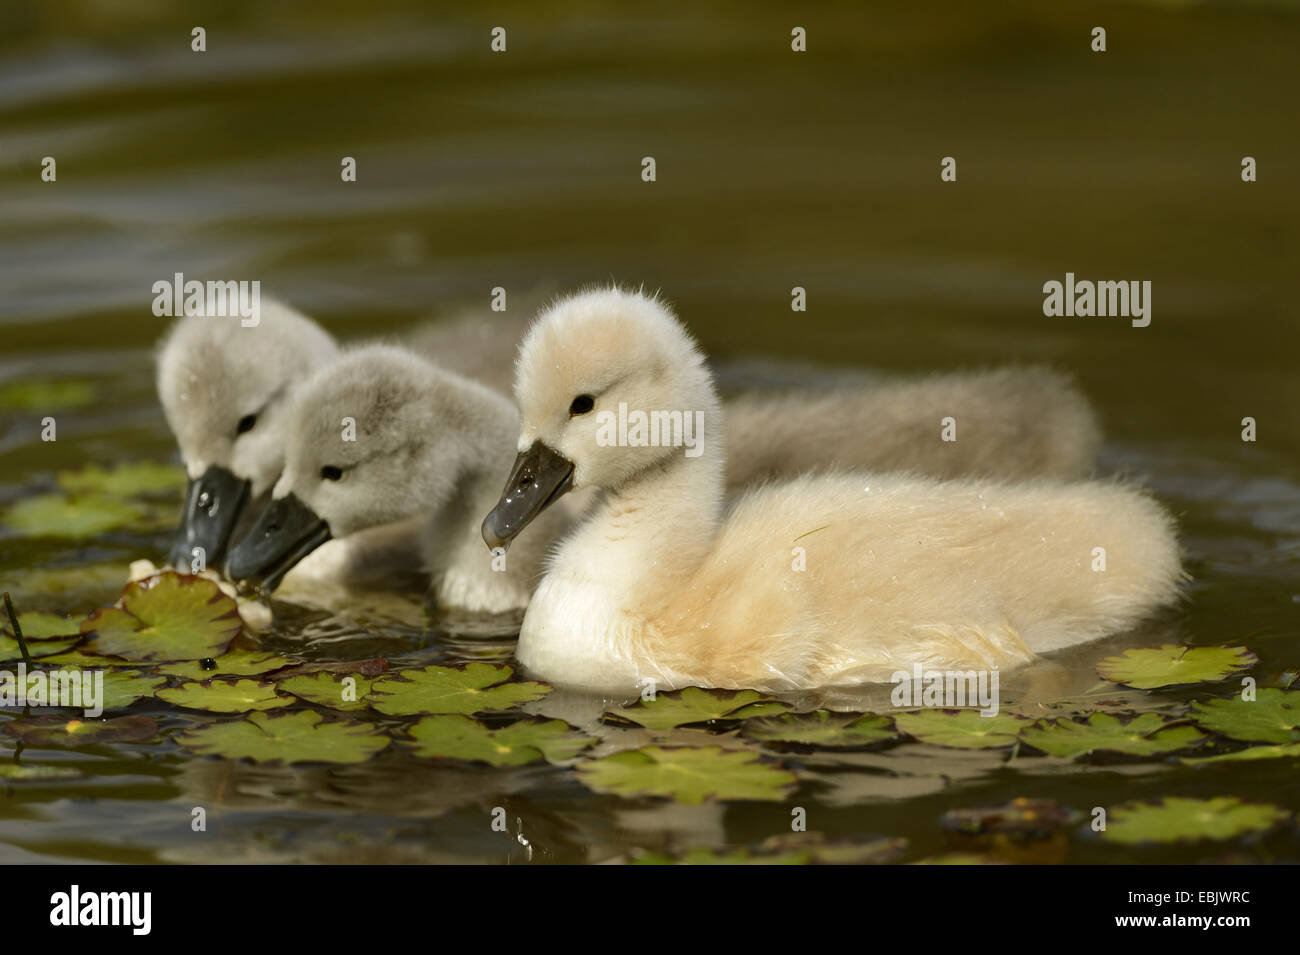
(1176, 819)
(688, 774)
(706, 856)
(1283, 751)
(696, 705)
(822, 728)
(44, 396)
(230, 663)
(1143, 735)
(124, 687)
(468, 690)
(54, 515)
(43, 626)
(329, 689)
(56, 731)
(125, 480)
(1272, 717)
(75, 658)
(297, 737)
(22, 772)
(166, 617)
(961, 729)
(1172, 665)
(225, 696)
(37, 648)
(454, 736)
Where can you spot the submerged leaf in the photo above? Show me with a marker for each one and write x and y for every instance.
(454, 736)
(1176, 819)
(687, 774)
(822, 728)
(225, 696)
(961, 729)
(57, 731)
(468, 690)
(696, 705)
(166, 617)
(342, 691)
(1142, 736)
(1272, 717)
(1172, 665)
(295, 737)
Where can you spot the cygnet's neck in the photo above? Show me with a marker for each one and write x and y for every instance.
(645, 539)
(462, 571)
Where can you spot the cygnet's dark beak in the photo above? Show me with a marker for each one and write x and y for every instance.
(213, 502)
(540, 477)
(286, 532)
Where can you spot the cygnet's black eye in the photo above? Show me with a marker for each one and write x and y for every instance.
(330, 473)
(246, 423)
(581, 405)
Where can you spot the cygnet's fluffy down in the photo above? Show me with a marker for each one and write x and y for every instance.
(819, 581)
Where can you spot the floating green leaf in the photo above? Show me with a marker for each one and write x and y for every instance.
(22, 772)
(39, 648)
(125, 480)
(225, 696)
(468, 690)
(696, 705)
(961, 729)
(124, 687)
(1176, 819)
(1144, 735)
(1283, 751)
(53, 515)
(687, 774)
(56, 731)
(454, 736)
(1272, 717)
(1171, 665)
(230, 663)
(296, 737)
(342, 691)
(45, 395)
(75, 658)
(822, 728)
(705, 856)
(166, 617)
(44, 626)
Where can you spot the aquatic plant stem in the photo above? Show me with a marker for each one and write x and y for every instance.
(18, 631)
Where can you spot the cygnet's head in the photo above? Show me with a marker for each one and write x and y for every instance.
(226, 392)
(590, 368)
(378, 436)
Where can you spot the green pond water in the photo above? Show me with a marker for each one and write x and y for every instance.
(774, 169)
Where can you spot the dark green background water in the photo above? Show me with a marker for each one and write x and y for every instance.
(775, 169)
